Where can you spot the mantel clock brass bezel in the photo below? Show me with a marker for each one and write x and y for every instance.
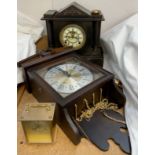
(77, 36)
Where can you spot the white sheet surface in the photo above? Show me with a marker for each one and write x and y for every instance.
(27, 25)
(25, 48)
(122, 59)
(29, 32)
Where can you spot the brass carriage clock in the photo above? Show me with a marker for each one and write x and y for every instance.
(76, 27)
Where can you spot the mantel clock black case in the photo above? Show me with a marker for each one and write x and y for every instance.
(89, 21)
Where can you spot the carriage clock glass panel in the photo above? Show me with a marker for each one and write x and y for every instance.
(73, 35)
(68, 76)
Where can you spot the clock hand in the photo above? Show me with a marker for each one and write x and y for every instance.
(64, 72)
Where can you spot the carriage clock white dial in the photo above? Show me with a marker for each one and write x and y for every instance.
(73, 35)
(69, 77)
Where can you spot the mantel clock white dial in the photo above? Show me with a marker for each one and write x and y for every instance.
(73, 35)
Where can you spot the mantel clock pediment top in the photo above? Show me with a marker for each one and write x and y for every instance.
(73, 10)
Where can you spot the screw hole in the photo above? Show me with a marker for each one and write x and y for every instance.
(21, 142)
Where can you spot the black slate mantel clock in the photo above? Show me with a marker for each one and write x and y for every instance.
(77, 27)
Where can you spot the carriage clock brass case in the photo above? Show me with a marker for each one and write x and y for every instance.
(38, 122)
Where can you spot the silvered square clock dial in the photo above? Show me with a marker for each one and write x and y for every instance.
(69, 76)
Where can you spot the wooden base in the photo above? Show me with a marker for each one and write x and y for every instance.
(62, 144)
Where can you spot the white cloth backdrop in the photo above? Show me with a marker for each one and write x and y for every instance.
(121, 58)
(29, 31)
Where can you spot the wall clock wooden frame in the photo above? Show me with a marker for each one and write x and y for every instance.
(65, 107)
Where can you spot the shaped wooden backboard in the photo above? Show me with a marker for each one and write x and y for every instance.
(100, 128)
